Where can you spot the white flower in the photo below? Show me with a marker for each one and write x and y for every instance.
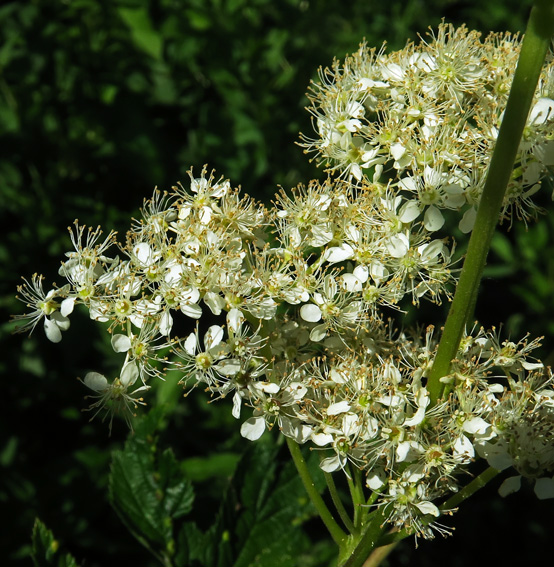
(114, 398)
(202, 364)
(333, 305)
(51, 306)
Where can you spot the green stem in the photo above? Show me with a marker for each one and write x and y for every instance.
(476, 484)
(368, 541)
(335, 530)
(353, 479)
(533, 51)
(358, 497)
(335, 496)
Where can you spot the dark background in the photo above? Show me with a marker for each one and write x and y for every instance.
(101, 101)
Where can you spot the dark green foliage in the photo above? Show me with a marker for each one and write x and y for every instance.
(147, 489)
(258, 522)
(522, 262)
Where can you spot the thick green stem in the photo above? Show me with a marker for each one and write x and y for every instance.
(533, 51)
(368, 541)
(335, 530)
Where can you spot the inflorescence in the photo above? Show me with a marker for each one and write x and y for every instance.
(295, 296)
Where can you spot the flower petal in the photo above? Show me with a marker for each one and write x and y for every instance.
(52, 330)
(338, 408)
(129, 374)
(544, 488)
(121, 343)
(213, 336)
(428, 508)
(96, 381)
(253, 428)
(510, 485)
(310, 313)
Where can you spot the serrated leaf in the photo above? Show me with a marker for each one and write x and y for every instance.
(133, 494)
(45, 549)
(260, 518)
(255, 475)
(191, 545)
(178, 494)
(149, 491)
(198, 548)
(291, 491)
(274, 537)
(272, 541)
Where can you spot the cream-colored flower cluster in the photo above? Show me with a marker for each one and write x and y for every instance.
(295, 300)
(283, 309)
(424, 120)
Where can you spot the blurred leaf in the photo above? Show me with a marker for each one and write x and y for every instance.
(203, 468)
(144, 35)
(45, 549)
(199, 20)
(8, 452)
(502, 246)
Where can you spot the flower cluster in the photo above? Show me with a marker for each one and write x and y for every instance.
(295, 295)
(301, 338)
(424, 121)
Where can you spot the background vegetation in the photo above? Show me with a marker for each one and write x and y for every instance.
(100, 101)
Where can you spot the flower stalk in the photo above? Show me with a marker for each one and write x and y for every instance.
(535, 45)
(335, 496)
(334, 529)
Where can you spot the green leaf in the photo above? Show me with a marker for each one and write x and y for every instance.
(198, 20)
(255, 475)
(133, 494)
(142, 32)
(260, 518)
(178, 495)
(45, 549)
(272, 534)
(148, 490)
(502, 246)
(195, 547)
